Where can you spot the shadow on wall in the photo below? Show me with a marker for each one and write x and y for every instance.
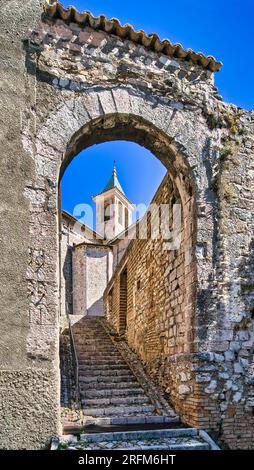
(96, 309)
(67, 275)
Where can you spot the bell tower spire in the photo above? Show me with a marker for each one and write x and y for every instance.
(113, 208)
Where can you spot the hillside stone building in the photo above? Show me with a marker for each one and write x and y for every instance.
(70, 80)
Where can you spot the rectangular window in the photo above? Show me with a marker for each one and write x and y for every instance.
(126, 215)
(120, 213)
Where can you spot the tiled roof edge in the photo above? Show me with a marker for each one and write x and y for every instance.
(152, 41)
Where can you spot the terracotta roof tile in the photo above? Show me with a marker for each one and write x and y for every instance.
(152, 41)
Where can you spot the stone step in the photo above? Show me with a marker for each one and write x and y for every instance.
(96, 351)
(131, 420)
(102, 367)
(89, 332)
(160, 439)
(86, 331)
(101, 345)
(109, 385)
(109, 393)
(81, 340)
(125, 401)
(117, 379)
(99, 355)
(118, 410)
(140, 434)
(102, 363)
(106, 371)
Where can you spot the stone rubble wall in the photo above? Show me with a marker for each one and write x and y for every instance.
(210, 390)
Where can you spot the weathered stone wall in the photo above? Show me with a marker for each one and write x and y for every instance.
(92, 267)
(212, 390)
(29, 388)
(72, 233)
(65, 87)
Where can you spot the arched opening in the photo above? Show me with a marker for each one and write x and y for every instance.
(150, 295)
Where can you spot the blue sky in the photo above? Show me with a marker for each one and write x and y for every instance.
(222, 28)
(138, 171)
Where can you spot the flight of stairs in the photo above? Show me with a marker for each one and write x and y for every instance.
(110, 392)
(121, 409)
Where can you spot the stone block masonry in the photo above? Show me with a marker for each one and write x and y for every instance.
(208, 389)
(61, 92)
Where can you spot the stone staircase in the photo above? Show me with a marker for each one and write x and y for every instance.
(110, 392)
(121, 407)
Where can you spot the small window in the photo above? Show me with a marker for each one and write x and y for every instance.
(126, 215)
(138, 284)
(120, 213)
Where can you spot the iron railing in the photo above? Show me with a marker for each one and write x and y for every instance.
(74, 357)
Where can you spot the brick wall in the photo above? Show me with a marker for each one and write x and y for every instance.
(157, 304)
(208, 389)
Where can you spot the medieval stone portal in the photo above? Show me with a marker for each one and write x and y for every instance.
(70, 81)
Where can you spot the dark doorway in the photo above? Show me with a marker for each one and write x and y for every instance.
(123, 302)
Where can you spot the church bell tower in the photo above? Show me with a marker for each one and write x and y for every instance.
(113, 209)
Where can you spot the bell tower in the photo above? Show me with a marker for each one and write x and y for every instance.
(113, 209)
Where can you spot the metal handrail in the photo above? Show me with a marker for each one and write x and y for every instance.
(74, 356)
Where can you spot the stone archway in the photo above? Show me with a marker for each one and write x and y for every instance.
(93, 118)
(81, 80)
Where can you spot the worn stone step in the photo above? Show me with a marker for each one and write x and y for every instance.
(86, 355)
(157, 439)
(96, 350)
(107, 378)
(109, 372)
(125, 401)
(130, 420)
(80, 339)
(102, 363)
(118, 410)
(103, 367)
(100, 355)
(141, 434)
(167, 445)
(83, 358)
(88, 332)
(108, 393)
(94, 343)
(109, 385)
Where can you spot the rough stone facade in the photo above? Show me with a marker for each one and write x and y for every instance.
(92, 269)
(72, 234)
(64, 87)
